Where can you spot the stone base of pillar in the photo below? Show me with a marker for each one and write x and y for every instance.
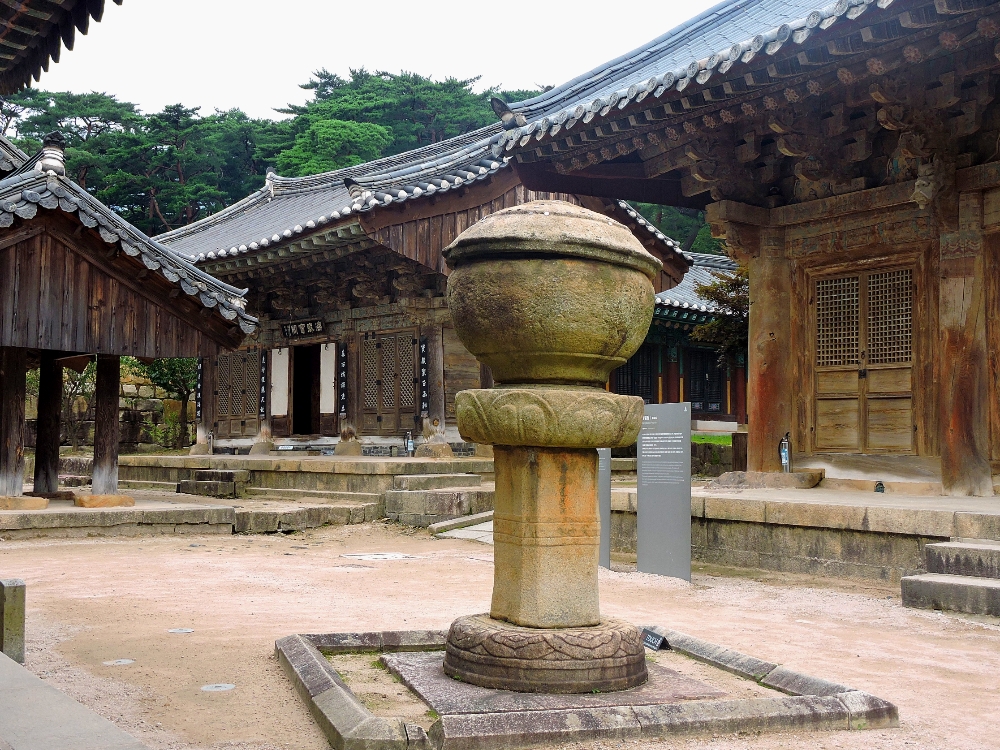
(59, 495)
(495, 654)
(262, 448)
(104, 501)
(23, 502)
(434, 450)
(348, 448)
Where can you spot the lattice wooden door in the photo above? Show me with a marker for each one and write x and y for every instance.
(237, 394)
(864, 362)
(388, 393)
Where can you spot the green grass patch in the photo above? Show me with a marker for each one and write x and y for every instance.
(726, 439)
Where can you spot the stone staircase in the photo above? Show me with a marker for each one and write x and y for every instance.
(216, 483)
(962, 576)
(423, 499)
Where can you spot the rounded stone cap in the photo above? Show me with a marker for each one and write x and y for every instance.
(567, 230)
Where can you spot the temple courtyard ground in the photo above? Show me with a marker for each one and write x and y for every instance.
(98, 600)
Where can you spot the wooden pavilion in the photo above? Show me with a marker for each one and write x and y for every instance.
(77, 281)
(848, 153)
(347, 273)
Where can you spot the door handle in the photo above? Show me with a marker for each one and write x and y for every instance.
(862, 374)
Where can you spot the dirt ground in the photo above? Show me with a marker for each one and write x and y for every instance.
(99, 600)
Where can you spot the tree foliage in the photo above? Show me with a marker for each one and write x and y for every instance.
(728, 331)
(178, 377)
(163, 170)
(684, 225)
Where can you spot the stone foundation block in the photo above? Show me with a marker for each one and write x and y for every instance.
(23, 502)
(981, 560)
(975, 596)
(12, 600)
(104, 501)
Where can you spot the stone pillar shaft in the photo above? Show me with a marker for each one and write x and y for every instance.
(546, 532)
(50, 391)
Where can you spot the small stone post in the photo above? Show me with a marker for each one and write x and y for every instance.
(551, 297)
(12, 592)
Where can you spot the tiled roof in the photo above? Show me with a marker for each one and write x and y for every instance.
(287, 207)
(11, 157)
(31, 188)
(685, 296)
(702, 50)
(33, 32)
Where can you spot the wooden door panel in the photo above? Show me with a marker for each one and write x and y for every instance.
(890, 424)
(892, 380)
(838, 424)
(837, 381)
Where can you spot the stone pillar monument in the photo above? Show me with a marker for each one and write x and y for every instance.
(552, 297)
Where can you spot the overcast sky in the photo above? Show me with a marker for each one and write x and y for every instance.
(252, 54)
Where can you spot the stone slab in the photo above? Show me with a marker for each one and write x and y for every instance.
(12, 602)
(976, 596)
(460, 523)
(222, 475)
(435, 481)
(23, 502)
(36, 716)
(505, 720)
(423, 674)
(799, 480)
(104, 501)
(718, 656)
(211, 488)
(979, 559)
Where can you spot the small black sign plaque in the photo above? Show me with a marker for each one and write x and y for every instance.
(302, 328)
(652, 640)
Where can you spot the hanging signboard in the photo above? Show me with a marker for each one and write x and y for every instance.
(262, 398)
(425, 402)
(342, 379)
(199, 384)
(302, 328)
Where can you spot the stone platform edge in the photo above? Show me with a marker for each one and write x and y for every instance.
(809, 703)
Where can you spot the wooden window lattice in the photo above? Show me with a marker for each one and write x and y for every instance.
(369, 366)
(635, 377)
(224, 388)
(837, 321)
(389, 373)
(890, 317)
(706, 381)
(406, 384)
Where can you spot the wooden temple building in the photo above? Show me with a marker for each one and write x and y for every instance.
(848, 153)
(78, 282)
(345, 269)
(670, 367)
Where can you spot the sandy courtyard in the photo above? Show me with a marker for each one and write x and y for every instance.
(99, 600)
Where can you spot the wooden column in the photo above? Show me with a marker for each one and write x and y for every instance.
(740, 392)
(206, 420)
(435, 366)
(50, 392)
(964, 394)
(13, 366)
(672, 386)
(106, 428)
(769, 396)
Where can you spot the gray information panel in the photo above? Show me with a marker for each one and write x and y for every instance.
(663, 537)
(604, 503)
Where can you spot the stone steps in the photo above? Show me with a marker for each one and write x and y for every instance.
(424, 507)
(216, 483)
(954, 593)
(435, 481)
(139, 484)
(263, 520)
(979, 558)
(332, 496)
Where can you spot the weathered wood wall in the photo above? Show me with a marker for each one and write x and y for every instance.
(57, 296)
(461, 370)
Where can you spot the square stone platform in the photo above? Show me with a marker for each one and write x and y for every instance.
(746, 695)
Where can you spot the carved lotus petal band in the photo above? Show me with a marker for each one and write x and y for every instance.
(549, 417)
